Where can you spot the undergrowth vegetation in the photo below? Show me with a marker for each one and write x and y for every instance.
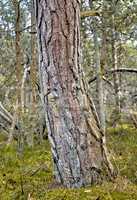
(29, 176)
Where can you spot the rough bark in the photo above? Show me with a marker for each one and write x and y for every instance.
(77, 142)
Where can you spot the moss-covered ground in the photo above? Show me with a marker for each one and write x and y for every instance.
(29, 176)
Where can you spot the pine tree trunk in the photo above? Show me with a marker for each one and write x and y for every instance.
(77, 142)
(33, 71)
(16, 5)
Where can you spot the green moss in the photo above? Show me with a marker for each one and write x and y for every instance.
(102, 192)
(30, 172)
(30, 175)
(123, 145)
(121, 129)
(3, 137)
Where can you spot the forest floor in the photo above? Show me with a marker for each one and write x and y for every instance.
(29, 176)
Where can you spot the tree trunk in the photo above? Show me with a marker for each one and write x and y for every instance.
(33, 71)
(77, 142)
(16, 5)
(99, 75)
(99, 69)
(115, 66)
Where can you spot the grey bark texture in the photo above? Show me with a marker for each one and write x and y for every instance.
(77, 143)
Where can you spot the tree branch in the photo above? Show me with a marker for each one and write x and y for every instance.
(89, 13)
(104, 78)
(131, 70)
(128, 70)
